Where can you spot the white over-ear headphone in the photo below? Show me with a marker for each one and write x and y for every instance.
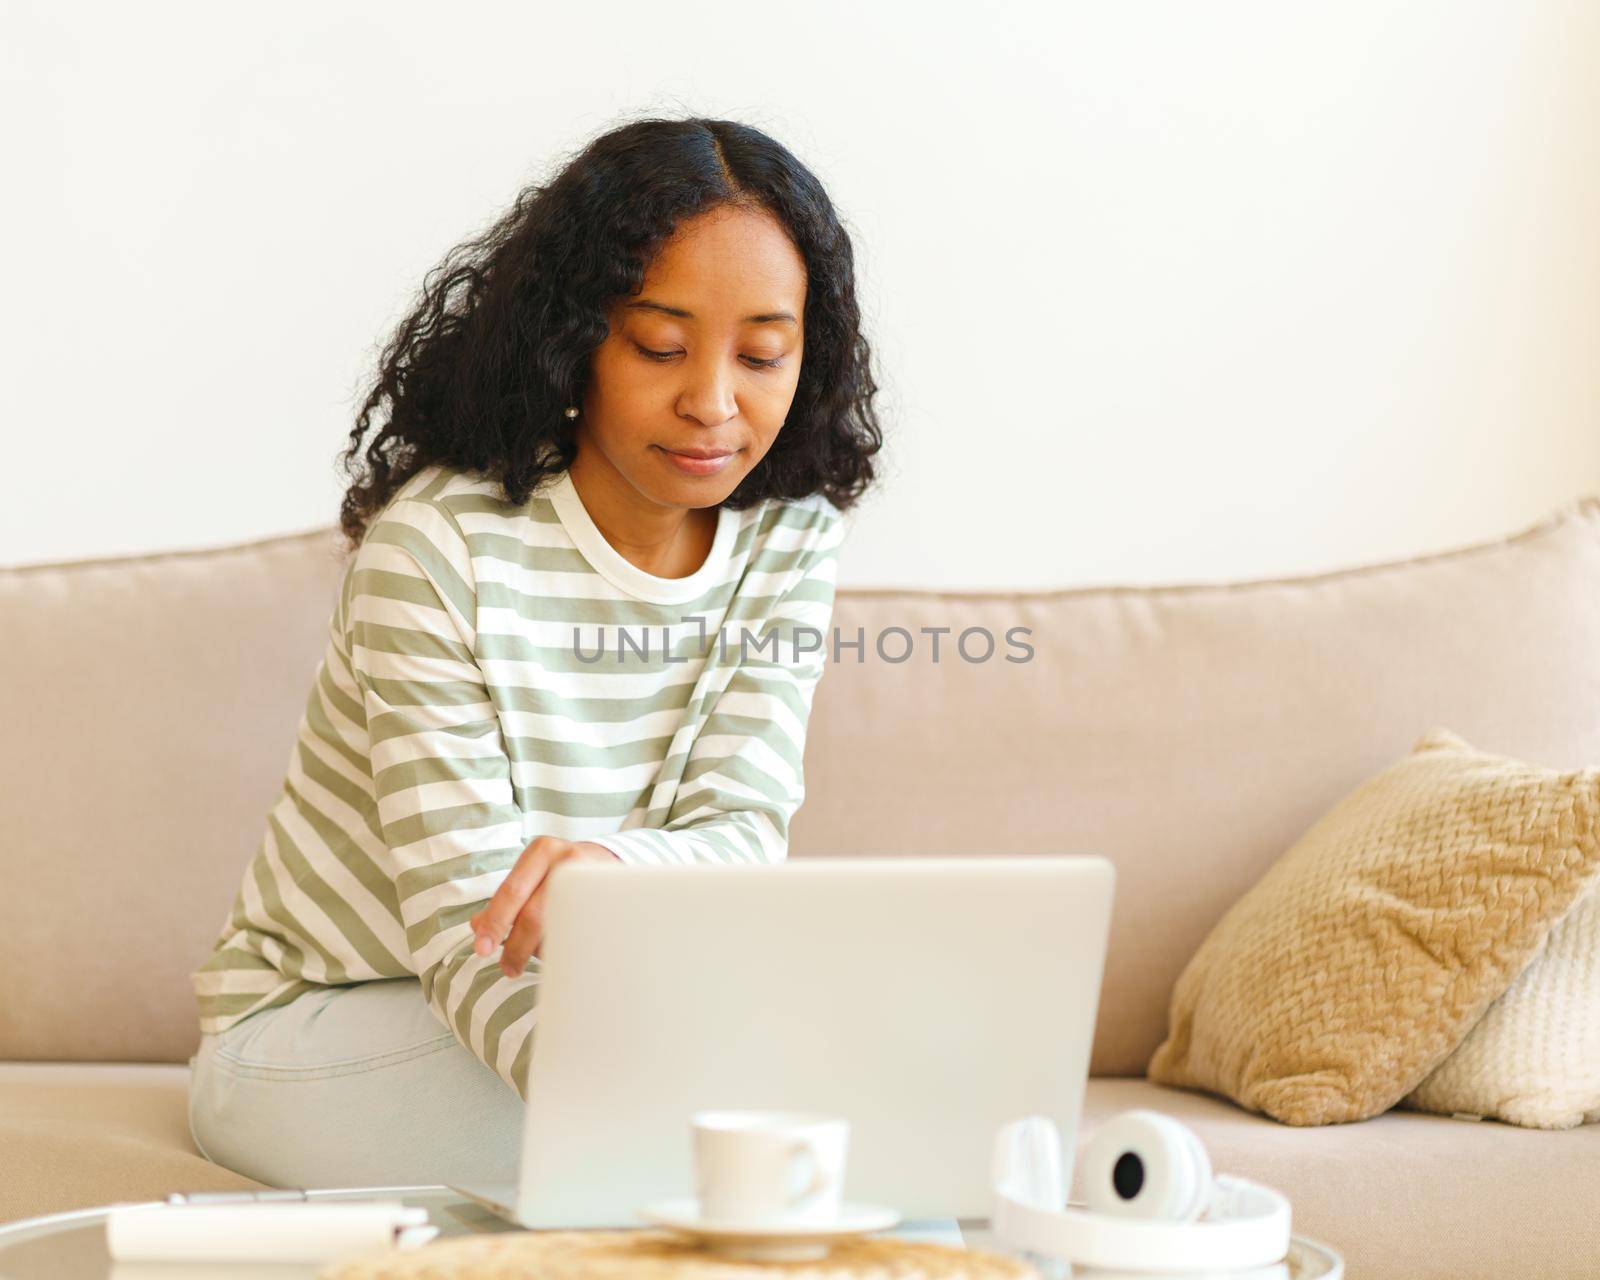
(1152, 1203)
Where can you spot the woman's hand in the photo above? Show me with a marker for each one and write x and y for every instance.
(515, 915)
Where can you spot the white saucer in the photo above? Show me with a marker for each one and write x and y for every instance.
(776, 1242)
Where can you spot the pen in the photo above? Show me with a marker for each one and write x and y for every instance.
(233, 1197)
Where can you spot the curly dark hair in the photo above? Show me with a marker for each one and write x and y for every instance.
(478, 375)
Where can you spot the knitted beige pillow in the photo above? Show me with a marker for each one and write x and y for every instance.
(1367, 952)
(1534, 1057)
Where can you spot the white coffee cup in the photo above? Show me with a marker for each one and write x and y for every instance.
(769, 1167)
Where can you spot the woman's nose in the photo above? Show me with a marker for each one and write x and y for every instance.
(707, 394)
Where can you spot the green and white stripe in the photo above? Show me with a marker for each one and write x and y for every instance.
(452, 720)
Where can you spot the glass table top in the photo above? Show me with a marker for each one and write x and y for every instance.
(72, 1246)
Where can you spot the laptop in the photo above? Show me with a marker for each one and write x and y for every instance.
(929, 1000)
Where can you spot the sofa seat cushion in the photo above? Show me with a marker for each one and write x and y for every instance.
(1404, 1194)
(73, 1135)
(1401, 1195)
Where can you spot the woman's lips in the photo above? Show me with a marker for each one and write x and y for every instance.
(696, 466)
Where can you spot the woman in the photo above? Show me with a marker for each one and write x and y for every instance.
(593, 575)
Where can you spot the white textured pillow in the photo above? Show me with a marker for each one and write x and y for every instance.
(1534, 1057)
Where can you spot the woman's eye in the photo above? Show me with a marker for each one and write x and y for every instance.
(667, 355)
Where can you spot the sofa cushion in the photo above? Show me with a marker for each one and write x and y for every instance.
(1370, 948)
(1191, 733)
(1534, 1057)
(152, 703)
(73, 1135)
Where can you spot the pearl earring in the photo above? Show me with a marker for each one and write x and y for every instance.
(572, 411)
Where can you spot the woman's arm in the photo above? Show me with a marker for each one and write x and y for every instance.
(441, 776)
(743, 780)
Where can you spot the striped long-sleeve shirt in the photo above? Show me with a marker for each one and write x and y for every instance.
(497, 672)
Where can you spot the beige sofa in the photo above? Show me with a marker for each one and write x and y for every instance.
(1190, 733)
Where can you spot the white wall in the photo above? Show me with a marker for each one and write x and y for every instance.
(1161, 292)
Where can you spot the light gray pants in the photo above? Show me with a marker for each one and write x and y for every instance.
(352, 1086)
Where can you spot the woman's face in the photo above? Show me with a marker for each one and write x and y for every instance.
(722, 309)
